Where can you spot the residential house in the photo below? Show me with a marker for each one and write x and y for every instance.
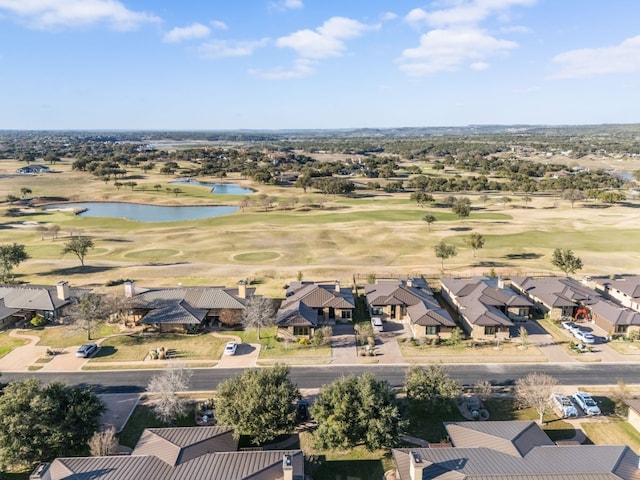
(33, 169)
(20, 303)
(556, 296)
(486, 307)
(614, 318)
(412, 302)
(624, 289)
(186, 308)
(183, 453)
(308, 306)
(565, 297)
(514, 450)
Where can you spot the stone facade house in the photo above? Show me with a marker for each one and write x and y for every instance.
(308, 306)
(411, 302)
(183, 309)
(485, 306)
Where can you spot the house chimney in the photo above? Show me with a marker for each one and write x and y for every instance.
(287, 467)
(41, 472)
(417, 465)
(242, 289)
(337, 286)
(62, 290)
(409, 282)
(129, 289)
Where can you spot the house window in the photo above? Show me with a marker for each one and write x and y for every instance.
(301, 331)
(489, 330)
(376, 311)
(431, 330)
(621, 328)
(346, 314)
(403, 310)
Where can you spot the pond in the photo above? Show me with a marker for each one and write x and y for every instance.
(218, 188)
(144, 213)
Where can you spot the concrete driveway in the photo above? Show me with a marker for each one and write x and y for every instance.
(387, 348)
(343, 345)
(246, 356)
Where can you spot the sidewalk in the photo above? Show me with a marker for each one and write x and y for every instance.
(344, 351)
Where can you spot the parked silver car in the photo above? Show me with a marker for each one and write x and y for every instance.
(586, 403)
(564, 405)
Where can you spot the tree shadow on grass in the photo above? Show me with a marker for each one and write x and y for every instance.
(87, 269)
(523, 256)
(319, 467)
(460, 229)
(491, 264)
(105, 351)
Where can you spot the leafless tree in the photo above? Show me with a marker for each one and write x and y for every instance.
(104, 443)
(483, 389)
(534, 390)
(260, 312)
(165, 385)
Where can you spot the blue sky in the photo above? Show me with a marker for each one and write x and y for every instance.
(275, 64)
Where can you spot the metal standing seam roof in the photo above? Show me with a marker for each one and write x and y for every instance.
(556, 292)
(478, 300)
(297, 314)
(397, 293)
(177, 445)
(615, 314)
(256, 465)
(36, 297)
(320, 296)
(426, 314)
(627, 284)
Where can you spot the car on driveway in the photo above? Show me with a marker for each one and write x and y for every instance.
(569, 325)
(376, 324)
(584, 337)
(586, 403)
(85, 351)
(230, 348)
(564, 405)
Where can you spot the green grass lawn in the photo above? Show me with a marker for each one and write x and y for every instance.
(615, 432)
(272, 348)
(355, 464)
(143, 417)
(135, 347)
(64, 336)
(7, 343)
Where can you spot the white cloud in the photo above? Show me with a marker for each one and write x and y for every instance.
(449, 49)
(218, 25)
(52, 14)
(226, 48)
(479, 66)
(456, 37)
(325, 41)
(386, 16)
(591, 62)
(463, 12)
(302, 67)
(284, 5)
(179, 34)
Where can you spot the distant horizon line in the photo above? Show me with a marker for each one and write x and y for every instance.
(316, 129)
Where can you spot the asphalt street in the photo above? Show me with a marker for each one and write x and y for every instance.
(131, 381)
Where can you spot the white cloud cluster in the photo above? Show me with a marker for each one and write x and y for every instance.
(283, 5)
(215, 49)
(53, 14)
(180, 34)
(591, 62)
(326, 41)
(455, 37)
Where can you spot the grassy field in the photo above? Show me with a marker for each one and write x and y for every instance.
(324, 237)
(613, 433)
(510, 351)
(143, 417)
(136, 347)
(64, 336)
(272, 348)
(7, 343)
